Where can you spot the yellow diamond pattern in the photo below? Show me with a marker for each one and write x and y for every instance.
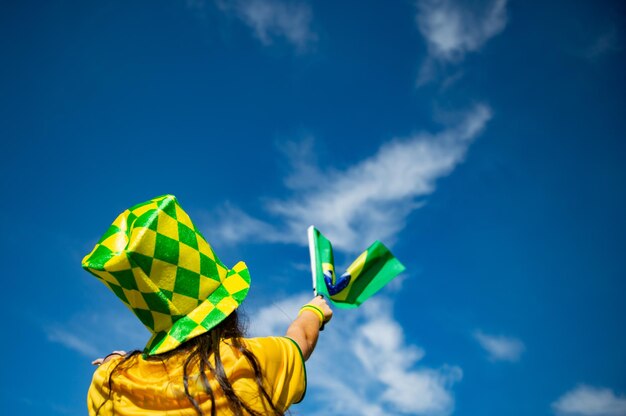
(160, 278)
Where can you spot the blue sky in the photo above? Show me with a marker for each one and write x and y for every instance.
(483, 141)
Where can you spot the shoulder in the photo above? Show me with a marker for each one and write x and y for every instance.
(273, 344)
(103, 370)
(99, 392)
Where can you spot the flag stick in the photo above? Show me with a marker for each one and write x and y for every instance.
(312, 255)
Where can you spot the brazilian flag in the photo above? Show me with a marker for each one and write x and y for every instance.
(369, 273)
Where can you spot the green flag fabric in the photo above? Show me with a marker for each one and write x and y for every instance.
(369, 273)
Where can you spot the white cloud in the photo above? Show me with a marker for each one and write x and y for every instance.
(367, 201)
(95, 334)
(270, 19)
(500, 348)
(454, 28)
(233, 225)
(587, 400)
(362, 364)
(275, 319)
(605, 43)
(71, 341)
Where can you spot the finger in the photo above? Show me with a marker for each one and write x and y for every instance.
(113, 355)
(97, 361)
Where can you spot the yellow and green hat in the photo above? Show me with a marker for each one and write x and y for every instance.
(156, 261)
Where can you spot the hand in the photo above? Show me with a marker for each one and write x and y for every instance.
(100, 361)
(321, 303)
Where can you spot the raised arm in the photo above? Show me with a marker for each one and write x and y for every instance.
(305, 328)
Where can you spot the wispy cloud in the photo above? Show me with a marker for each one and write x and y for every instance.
(363, 365)
(94, 334)
(274, 319)
(604, 43)
(367, 201)
(500, 348)
(587, 400)
(271, 19)
(454, 28)
(72, 341)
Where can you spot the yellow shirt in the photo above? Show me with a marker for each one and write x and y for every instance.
(145, 387)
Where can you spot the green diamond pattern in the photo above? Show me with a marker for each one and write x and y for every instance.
(112, 230)
(118, 292)
(169, 207)
(212, 318)
(126, 279)
(131, 219)
(100, 256)
(160, 300)
(183, 327)
(166, 249)
(187, 283)
(144, 262)
(218, 294)
(157, 302)
(145, 317)
(148, 220)
(187, 236)
(208, 267)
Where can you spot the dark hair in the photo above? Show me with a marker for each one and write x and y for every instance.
(198, 351)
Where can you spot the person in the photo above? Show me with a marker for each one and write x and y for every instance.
(233, 374)
(198, 360)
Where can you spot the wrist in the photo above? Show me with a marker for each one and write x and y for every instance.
(315, 311)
